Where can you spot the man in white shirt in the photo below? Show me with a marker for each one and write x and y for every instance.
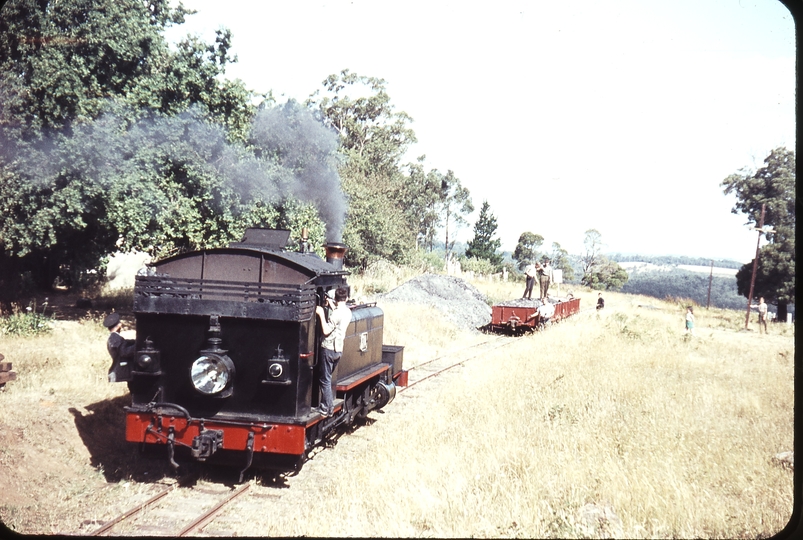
(762, 315)
(529, 274)
(334, 332)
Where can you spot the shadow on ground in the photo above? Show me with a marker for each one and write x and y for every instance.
(102, 431)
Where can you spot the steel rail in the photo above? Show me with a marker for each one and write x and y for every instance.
(494, 340)
(135, 510)
(461, 362)
(203, 520)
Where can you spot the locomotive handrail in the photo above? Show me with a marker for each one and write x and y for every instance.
(167, 294)
(168, 285)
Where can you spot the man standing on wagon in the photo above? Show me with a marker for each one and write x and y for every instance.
(544, 278)
(529, 274)
(334, 332)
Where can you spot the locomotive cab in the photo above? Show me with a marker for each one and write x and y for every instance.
(228, 348)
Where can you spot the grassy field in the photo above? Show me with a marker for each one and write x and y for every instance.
(607, 424)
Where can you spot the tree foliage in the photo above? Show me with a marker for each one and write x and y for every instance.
(98, 119)
(560, 260)
(373, 138)
(111, 139)
(526, 250)
(484, 245)
(424, 204)
(592, 244)
(455, 204)
(606, 275)
(772, 185)
(599, 272)
(164, 184)
(61, 61)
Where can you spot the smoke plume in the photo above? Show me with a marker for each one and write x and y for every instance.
(306, 150)
(291, 154)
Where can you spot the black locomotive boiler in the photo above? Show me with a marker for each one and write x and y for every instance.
(226, 368)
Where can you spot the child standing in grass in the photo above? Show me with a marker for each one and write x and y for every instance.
(690, 320)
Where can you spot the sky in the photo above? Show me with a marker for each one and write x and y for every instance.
(622, 116)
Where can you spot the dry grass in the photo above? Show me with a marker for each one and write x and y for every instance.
(619, 409)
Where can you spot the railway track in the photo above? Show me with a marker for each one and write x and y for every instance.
(176, 511)
(436, 366)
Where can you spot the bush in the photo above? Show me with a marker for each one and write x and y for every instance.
(478, 266)
(27, 322)
(428, 261)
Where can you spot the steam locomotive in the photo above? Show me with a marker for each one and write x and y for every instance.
(227, 354)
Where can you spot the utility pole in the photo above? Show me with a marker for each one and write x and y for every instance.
(755, 266)
(710, 279)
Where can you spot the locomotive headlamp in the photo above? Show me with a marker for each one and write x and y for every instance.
(211, 373)
(275, 370)
(278, 370)
(145, 361)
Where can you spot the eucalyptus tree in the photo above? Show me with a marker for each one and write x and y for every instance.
(560, 260)
(455, 204)
(526, 250)
(374, 137)
(592, 256)
(773, 186)
(425, 190)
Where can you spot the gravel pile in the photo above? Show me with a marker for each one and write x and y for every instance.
(459, 301)
(522, 302)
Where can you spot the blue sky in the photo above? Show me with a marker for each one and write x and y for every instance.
(623, 116)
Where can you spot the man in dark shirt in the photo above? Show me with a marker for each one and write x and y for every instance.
(120, 349)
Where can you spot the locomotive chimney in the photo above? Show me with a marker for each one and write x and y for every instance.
(335, 253)
(304, 246)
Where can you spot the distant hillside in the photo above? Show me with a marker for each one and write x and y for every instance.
(675, 260)
(668, 280)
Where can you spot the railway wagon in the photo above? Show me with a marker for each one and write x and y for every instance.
(228, 349)
(525, 315)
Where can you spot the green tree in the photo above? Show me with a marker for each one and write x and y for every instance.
(484, 245)
(373, 138)
(527, 248)
(605, 275)
(591, 257)
(83, 85)
(772, 185)
(61, 61)
(425, 190)
(560, 260)
(455, 205)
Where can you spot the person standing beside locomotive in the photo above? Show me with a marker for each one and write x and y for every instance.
(334, 332)
(120, 349)
(544, 278)
(529, 274)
